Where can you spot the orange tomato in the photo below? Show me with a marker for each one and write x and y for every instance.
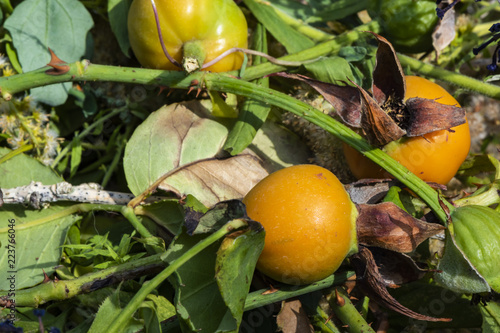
(434, 157)
(309, 221)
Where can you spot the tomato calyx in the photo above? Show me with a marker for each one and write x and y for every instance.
(384, 116)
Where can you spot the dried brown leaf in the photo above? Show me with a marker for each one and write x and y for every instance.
(388, 77)
(427, 115)
(293, 318)
(373, 285)
(345, 99)
(445, 32)
(214, 180)
(379, 127)
(387, 226)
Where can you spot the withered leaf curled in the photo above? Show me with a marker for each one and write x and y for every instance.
(427, 115)
(388, 77)
(373, 285)
(387, 226)
(344, 98)
(379, 127)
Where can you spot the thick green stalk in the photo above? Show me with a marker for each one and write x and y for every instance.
(60, 290)
(348, 313)
(256, 299)
(125, 315)
(456, 79)
(83, 71)
(320, 50)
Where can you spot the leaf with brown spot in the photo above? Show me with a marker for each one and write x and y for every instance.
(379, 127)
(59, 66)
(293, 318)
(427, 115)
(373, 285)
(387, 226)
(388, 77)
(345, 99)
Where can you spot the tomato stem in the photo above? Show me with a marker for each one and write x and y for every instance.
(193, 56)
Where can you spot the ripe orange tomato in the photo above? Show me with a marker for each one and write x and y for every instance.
(309, 221)
(434, 157)
(217, 25)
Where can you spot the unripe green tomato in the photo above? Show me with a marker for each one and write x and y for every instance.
(310, 223)
(407, 24)
(216, 25)
(477, 233)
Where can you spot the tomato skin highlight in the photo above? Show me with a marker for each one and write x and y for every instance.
(309, 221)
(218, 25)
(434, 157)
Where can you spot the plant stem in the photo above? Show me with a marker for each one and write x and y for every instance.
(16, 152)
(129, 214)
(323, 49)
(59, 290)
(125, 315)
(450, 77)
(348, 313)
(82, 71)
(256, 299)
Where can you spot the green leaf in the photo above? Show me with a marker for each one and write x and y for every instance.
(491, 317)
(278, 147)
(236, 260)
(198, 301)
(293, 40)
(36, 25)
(39, 235)
(76, 156)
(118, 14)
(474, 165)
(433, 300)
(211, 288)
(331, 70)
(147, 313)
(215, 217)
(219, 106)
(164, 308)
(456, 273)
(108, 311)
(320, 11)
(169, 138)
(22, 170)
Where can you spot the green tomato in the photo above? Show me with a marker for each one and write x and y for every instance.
(202, 29)
(407, 24)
